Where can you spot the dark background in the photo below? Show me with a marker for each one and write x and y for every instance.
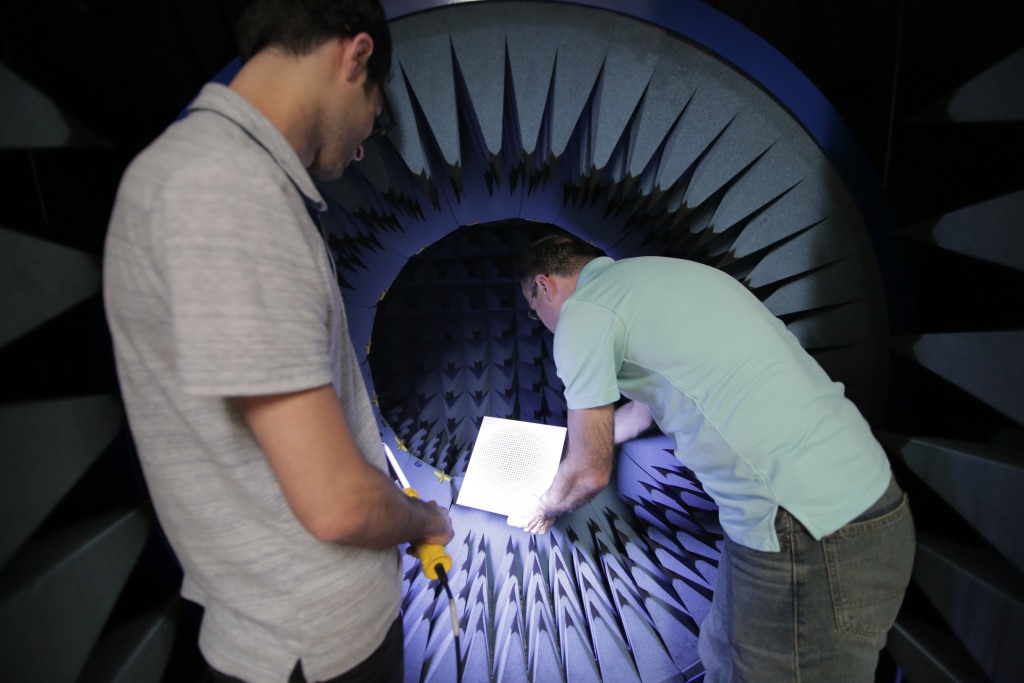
(121, 71)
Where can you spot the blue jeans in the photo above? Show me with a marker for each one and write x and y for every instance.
(816, 611)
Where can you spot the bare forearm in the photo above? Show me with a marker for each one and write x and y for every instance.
(587, 466)
(377, 514)
(583, 472)
(572, 488)
(330, 485)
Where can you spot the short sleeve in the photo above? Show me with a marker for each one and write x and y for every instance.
(588, 354)
(248, 299)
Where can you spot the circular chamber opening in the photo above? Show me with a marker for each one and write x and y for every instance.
(544, 114)
(452, 343)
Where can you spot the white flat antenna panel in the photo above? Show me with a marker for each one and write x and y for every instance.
(511, 460)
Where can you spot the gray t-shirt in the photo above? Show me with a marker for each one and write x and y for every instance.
(217, 284)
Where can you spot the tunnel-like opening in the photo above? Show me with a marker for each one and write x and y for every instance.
(597, 115)
(514, 117)
(542, 115)
(452, 343)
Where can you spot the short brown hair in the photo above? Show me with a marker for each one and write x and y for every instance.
(559, 254)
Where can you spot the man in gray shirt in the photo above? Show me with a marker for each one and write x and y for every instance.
(244, 396)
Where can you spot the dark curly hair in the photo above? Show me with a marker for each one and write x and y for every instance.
(300, 26)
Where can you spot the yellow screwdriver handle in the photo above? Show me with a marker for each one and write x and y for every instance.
(431, 555)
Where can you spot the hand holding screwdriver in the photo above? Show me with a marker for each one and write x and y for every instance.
(432, 556)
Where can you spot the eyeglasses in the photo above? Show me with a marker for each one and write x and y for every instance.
(383, 124)
(532, 314)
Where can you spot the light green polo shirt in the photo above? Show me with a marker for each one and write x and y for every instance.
(753, 415)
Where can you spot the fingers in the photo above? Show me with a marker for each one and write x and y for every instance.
(533, 524)
(519, 519)
(531, 517)
(523, 517)
(442, 529)
(539, 525)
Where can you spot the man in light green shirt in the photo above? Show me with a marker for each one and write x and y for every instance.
(790, 461)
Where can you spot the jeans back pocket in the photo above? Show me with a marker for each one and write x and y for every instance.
(869, 563)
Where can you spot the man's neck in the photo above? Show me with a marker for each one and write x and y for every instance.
(284, 89)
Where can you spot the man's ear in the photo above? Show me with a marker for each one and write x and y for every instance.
(356, 55)
(548, 288)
